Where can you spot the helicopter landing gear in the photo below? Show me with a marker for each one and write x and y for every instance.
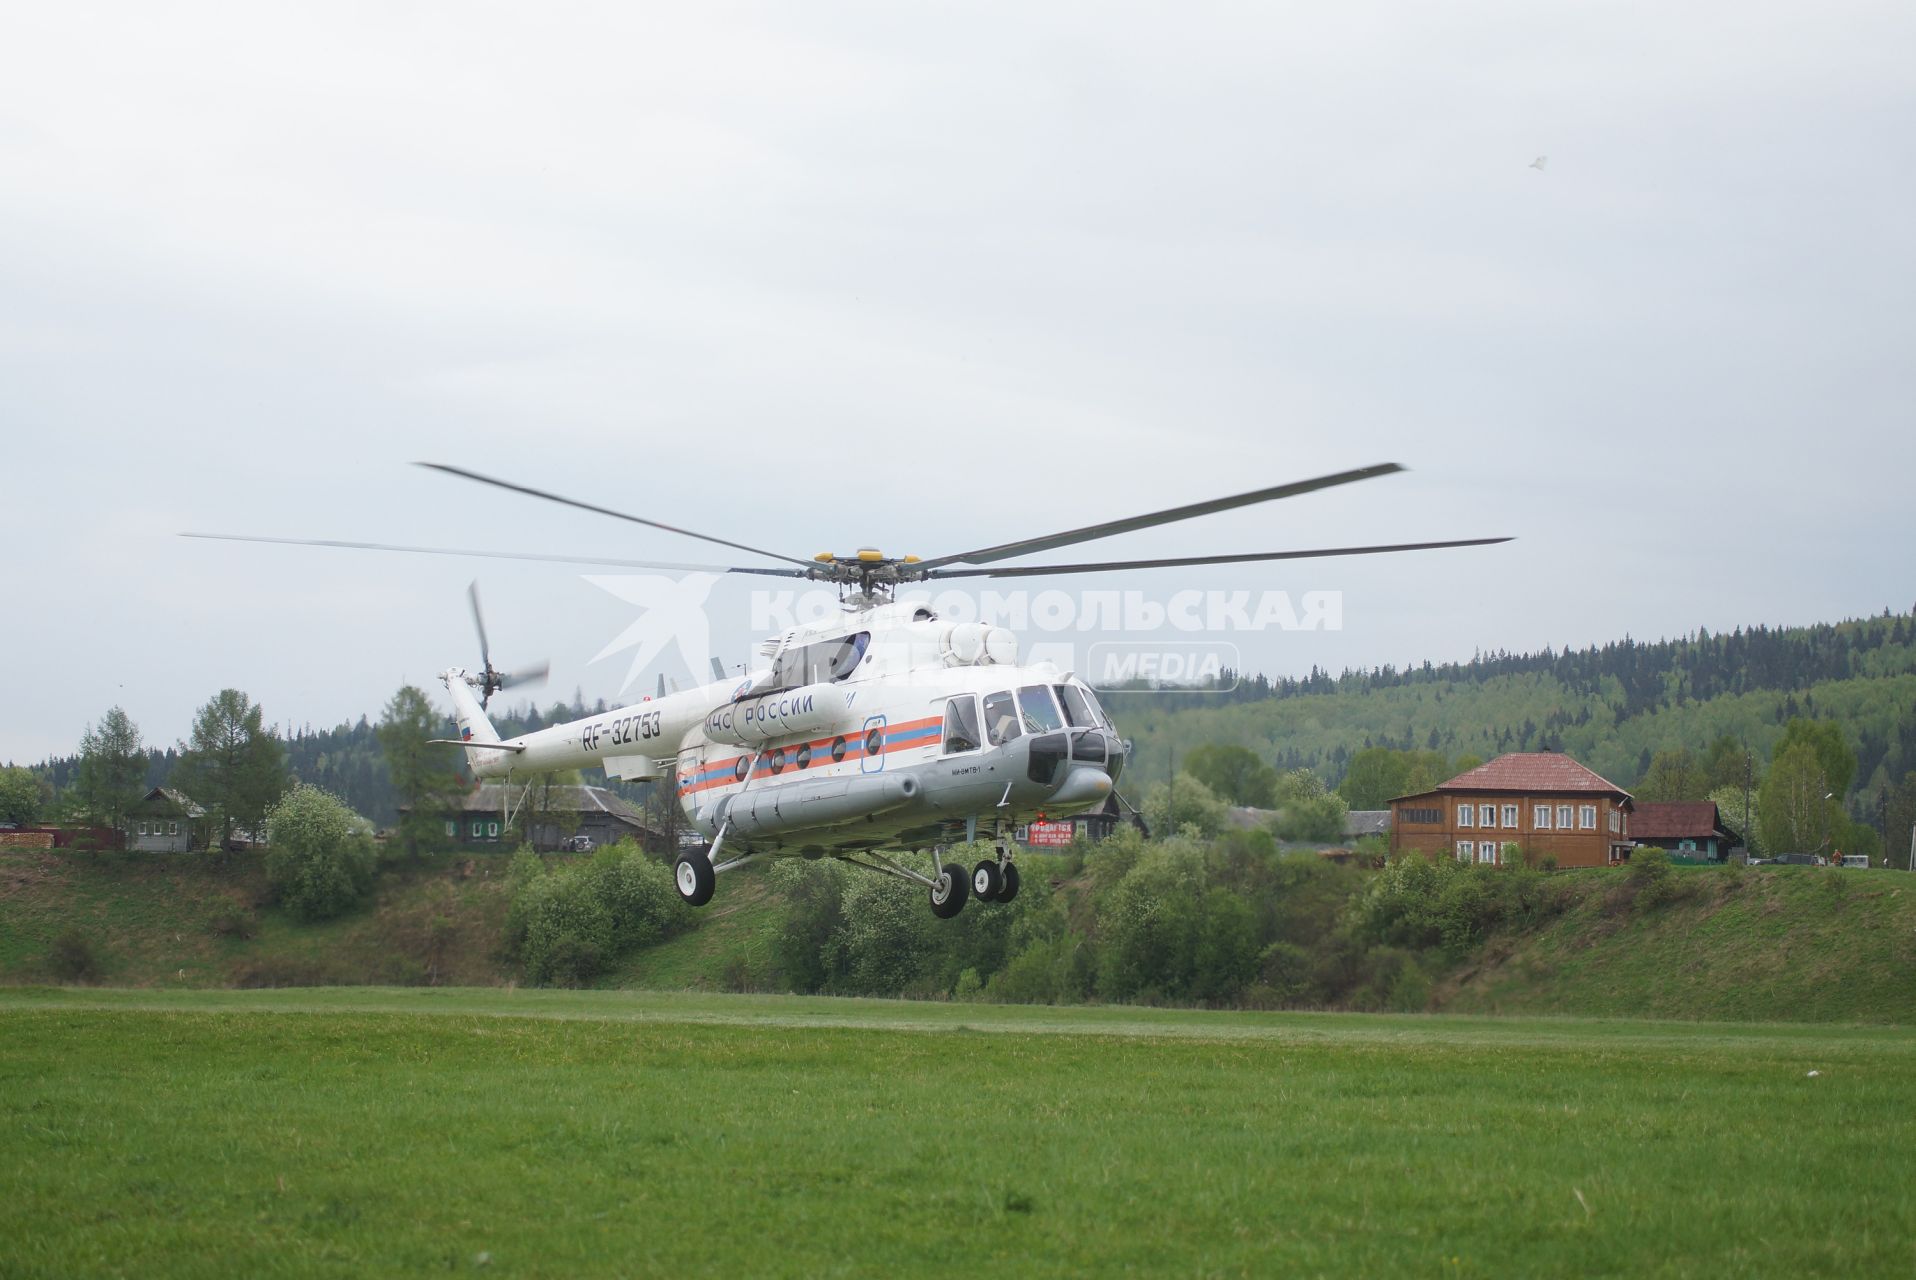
(948, 892)
(695, 878)
(1008, 888)
(987, 881)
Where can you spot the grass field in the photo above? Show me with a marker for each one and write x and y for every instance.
(543, 1133)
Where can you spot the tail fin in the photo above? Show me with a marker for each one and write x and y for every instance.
(474, 726)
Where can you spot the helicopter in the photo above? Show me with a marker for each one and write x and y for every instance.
(885, 728)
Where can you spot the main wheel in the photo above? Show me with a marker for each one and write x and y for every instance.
(986, 882)
(1009, 888)
(694, 878)
(948, 892)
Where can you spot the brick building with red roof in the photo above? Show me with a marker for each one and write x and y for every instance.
(1524, 803)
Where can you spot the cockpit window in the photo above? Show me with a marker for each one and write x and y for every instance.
(1041, 713)
(1076, 712)
(1098, 715)
(961, 724)
(1001, 717)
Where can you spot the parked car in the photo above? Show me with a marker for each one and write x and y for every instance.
(1856, 860)
(578, 844)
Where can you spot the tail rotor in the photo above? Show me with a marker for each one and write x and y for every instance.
(492, 680)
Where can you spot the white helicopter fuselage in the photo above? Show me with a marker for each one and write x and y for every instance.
(884, 728)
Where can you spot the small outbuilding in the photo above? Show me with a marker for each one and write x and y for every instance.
(1692, 830)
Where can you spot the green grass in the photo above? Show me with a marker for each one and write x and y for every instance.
(1812, 943)
(383, 1131)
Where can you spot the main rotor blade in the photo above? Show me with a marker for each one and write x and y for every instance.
(606, 511)
(1052, 541)
(1036, 570)
(500, 555)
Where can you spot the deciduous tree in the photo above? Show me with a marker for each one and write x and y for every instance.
(112, 775)
(1673, 775)
(1234, 773)
(1795, 806)
(425, 778)
(321, 859)
(232, 765)
(22, 796)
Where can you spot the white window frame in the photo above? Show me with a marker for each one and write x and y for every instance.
(1487, 816)
(452, 829)
(492, 831)
(1616, 821)
(1541, 814)
(1487, 852)
(1466, 814)
(478, 829)
(1466, 850)
(1587, 817)
(1513, 816)
(172, 828)
(142, 828)
(1564, 817)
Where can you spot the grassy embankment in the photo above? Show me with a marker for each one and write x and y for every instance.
(382, 1131)
(1798, 944)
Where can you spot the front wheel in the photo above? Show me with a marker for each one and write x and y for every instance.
(986, 882)
(1008, 889)
(695, 878)
(948, 892)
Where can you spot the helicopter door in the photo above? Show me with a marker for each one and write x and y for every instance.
(873, 758)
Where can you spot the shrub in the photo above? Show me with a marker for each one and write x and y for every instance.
(71, 958)
(1649, 873)
(636, 890)
(567, 931)
(320, 862)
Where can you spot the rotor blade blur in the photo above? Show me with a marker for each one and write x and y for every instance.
(479, 621)
(606, 511)
(1051, 542)
(1036, 570)
(526, 675)
(538, 556)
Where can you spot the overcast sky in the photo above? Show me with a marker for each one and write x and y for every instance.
(929, 277)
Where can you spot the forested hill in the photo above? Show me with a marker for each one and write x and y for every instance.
(1612, 707)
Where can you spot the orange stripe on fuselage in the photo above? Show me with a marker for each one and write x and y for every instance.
(723, 773)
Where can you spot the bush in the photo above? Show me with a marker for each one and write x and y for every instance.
(636, 890)
(320, 863)
(71, 958)
(566, 932)
(1650, 874)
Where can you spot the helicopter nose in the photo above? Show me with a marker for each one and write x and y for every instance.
(1082, 785)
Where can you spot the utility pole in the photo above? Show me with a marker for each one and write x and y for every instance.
(1749, 819)
(1171, 799)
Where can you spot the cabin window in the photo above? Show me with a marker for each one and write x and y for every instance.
(1077, 712)
(838, 749)
(1466, 814)
(740, 769)
(1041, 712)
(1563, 817)
(777, 758)
(1542, 816)
(961, 725)
(1587, 817)
(1091, 700)
(1001, 717)
(803, 756)
(1510, 816)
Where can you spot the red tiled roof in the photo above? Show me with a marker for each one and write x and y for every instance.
(1673, 819)
(1533, 771)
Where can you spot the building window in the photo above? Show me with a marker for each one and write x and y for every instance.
(478, 829)
(1563, 817)
(452, 830)
(1487, 851)
(1431, 816)
(1510, 851)
(492, 830)
(172, 828)
(1510, 816)
(1587, 817)
(142, 828)
(1615, 825)
(1464, 815)
(1464, 850)
(1542, 816)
